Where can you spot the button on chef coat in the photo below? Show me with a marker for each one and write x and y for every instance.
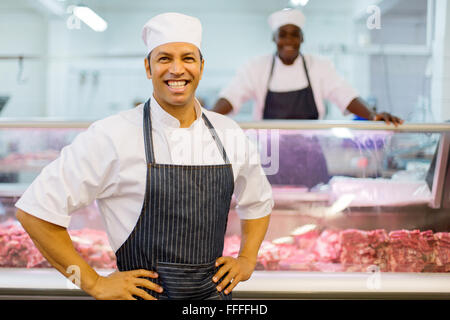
(107, 162)
(251, 83)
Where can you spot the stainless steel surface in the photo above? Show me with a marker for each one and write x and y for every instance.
(267, 124)
(361, 125)
(49, 284)
(440, 171)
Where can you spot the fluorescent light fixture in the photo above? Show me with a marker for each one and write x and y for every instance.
(296, 3)
(89, 17)
(52, 6)
(342, 133)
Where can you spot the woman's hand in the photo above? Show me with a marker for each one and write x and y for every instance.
(236, 270)
(388, 118)
(125, 285)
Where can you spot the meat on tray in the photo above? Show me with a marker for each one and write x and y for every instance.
(306, 249)
(328, 246)
(306, 236)
(361, 249)
(94, 247)
(353, 250)
(404, 251)
(17, 250)
(441, 252)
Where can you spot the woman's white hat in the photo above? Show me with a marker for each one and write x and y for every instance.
(286, 16)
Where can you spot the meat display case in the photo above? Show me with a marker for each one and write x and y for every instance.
(362, 210)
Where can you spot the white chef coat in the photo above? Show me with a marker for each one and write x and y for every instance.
(107, 163)
(251, 80)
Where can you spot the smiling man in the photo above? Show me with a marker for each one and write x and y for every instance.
(176, 70)
(165, 214)
(290, 85)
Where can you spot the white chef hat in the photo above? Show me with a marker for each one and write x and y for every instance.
(172, 27)
(286, 16)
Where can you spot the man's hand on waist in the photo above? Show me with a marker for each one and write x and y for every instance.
(235, 270)
(125, 286)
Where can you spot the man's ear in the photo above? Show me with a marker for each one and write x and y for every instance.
(202, 67)
(147, 67)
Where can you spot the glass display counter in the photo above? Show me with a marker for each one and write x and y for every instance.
(361, 209)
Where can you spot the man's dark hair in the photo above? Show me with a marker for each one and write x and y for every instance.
(148, 59)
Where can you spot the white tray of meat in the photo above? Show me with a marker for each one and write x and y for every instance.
(17, 250)
(352, 250)
(293, 196)
(380, 192)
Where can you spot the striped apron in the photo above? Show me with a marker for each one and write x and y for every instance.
(180, 232)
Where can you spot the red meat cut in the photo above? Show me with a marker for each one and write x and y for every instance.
(361, 249)
(17, 250)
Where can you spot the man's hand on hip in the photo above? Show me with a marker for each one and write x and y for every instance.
(125, 285)
(236, 270)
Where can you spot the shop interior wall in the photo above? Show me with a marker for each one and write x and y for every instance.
(23, 32)
(91, 75)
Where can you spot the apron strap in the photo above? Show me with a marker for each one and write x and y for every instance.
(306, 71)
(216, 139)
(148, 141)
(270, 78)
(148, 137)
(271, 71)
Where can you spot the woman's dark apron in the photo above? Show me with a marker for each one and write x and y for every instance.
(180, 232)
(298, 104)
(301, 158)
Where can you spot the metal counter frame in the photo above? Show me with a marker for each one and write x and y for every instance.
(16, 283)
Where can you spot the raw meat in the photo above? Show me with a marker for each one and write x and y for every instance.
(307, 240)
(354, 250)
(94, 247)
(231, 246)
(299, 260)
(361, 249)
(269, 256)
(307, 249)
(17, 250)
(427, 243)
(441, 251)
(404, 252)
(328, 246)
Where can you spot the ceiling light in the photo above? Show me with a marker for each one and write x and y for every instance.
(52, 6)
(89, 17)
(296, 3)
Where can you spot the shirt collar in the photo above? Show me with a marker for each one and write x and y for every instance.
(296, 61)
(163, 117)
